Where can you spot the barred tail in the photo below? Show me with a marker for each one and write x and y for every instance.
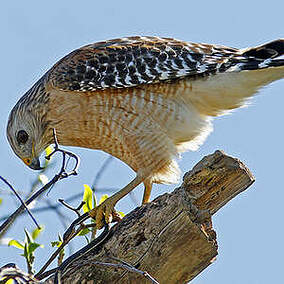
(266, 55)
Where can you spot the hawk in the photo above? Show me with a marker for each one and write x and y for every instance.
(143, 100)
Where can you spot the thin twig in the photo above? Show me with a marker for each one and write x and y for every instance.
(93, 244)
(55, 254)
(65, 153)
(21, 209)
(61, 175)
(50, 206)
(83, 251)
(69, 234)
(126, 266)
(133, 268)
(22, 201)
(70, 231)
(76, 210)
(47, 273)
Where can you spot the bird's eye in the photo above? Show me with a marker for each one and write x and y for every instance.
(22, 137)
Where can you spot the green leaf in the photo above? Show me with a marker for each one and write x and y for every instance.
(26, 251)
(84, 232)
(16, 244)
(36, 232)
(48, 150)
(33, 247)
(121, 214)
(29, 238)
(88, 196)
(56, 244)
(103, 198)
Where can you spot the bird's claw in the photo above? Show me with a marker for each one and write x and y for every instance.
(105, 213)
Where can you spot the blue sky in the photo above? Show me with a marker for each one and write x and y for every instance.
(35, 34)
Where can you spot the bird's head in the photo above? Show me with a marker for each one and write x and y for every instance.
(25, 133)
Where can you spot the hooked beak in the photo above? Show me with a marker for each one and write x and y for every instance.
(34, 164)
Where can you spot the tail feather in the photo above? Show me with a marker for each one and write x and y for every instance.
(272, 49)
(266, 55)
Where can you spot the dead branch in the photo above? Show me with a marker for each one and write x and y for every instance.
(171, 238)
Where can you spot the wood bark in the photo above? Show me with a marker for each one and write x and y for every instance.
(172, 237)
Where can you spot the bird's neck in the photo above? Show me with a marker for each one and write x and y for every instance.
(74, 119)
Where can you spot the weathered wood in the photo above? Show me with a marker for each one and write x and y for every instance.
(216, 179)
(171, 237)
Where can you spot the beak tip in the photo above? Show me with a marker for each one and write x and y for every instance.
(35, 164)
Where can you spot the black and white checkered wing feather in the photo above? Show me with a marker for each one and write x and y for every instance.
(128, 62)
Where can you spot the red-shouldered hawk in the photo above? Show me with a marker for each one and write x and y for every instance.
(143, 100)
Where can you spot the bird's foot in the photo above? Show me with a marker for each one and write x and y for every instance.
(105, 213)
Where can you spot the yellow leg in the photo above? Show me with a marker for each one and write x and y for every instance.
(147, 192)
(106, 209)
